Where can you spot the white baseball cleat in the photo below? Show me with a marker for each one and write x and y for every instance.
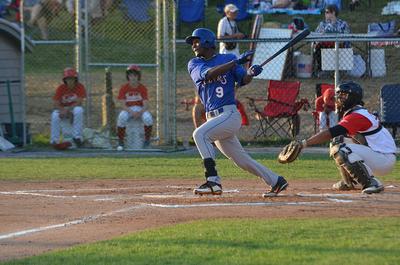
(120, 148)
(209, 187)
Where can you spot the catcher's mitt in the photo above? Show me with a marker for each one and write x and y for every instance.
(290, 152)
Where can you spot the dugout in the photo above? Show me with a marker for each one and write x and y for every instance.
(11, 83)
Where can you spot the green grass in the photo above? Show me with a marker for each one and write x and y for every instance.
(242, 241)
(161, 167)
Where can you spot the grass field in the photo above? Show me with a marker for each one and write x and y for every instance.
(160, 167)
(227, 241)
(242, 241)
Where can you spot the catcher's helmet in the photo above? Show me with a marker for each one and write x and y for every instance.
(207, 38)
(70, 72)
(354, 92)
(133, 69)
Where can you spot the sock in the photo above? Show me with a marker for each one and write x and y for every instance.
(121, 135)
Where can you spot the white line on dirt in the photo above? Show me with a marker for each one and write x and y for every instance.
(35, 194)
(338, 200)
(74, 222)
(146, 205)
(234, 204)
(324, 195)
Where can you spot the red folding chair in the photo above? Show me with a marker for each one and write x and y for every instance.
(318, 104)
(280, 115)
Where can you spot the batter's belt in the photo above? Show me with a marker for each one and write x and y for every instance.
(219, 111)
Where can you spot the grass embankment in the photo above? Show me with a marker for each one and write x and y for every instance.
(297, 241)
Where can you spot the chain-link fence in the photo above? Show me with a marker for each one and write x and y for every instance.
(108, 36)
(100, 43)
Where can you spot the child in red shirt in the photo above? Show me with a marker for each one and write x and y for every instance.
(68, 101)
(325, 105)
(134, 96)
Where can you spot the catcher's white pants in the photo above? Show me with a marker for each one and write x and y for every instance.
(222, 131)
(377, 164)
(124, 116)
(323, 116)
(77, 124)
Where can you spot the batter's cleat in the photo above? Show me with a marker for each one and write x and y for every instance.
(209, 188)
(374, 187)
(341, 185)
(281, 185)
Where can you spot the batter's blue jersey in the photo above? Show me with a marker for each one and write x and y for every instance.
(220, 92)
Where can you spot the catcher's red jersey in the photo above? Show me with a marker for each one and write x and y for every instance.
(133, 96)
(68, 97)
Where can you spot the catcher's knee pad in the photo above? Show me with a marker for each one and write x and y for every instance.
(356, 170)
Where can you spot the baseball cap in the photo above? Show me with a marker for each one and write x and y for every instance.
(230, 8)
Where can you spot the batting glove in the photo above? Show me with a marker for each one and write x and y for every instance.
(244, 57)
(254, 70)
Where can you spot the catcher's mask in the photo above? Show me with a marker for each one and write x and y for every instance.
(133, 69)
(70, 72)
(348, 95)
(207, 38)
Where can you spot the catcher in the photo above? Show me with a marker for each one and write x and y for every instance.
(371, 151)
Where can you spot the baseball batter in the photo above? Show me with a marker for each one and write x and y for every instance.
(214, 76)
(68, 101)
(372, 151)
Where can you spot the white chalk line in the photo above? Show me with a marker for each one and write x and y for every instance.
(234, 204)
(327, 195)
(74, 222)
(148, 205)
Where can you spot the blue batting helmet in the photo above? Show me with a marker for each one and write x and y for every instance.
(207, 38)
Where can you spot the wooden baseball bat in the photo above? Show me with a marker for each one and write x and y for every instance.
(291, 43)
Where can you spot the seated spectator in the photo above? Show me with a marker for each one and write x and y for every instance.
(133, 96)
(331, 24)
(68, 101)
(42, 13)
(97, 9)
(325, 106)
(227, 29)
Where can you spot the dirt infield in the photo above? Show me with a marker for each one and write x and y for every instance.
(40, 216)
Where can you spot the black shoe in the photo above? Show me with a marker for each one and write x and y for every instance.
(209, 187)
(78, 142)
(375, 186)
(281, 185)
